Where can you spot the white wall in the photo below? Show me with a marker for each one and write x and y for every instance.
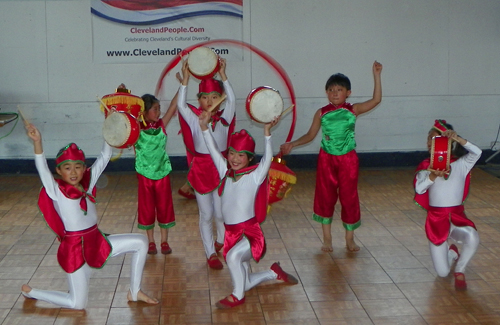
(440, 60)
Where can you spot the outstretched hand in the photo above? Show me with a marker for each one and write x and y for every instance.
(286, 148)
(33, 133)
(377, 68)
(268, 126)
(185, 72)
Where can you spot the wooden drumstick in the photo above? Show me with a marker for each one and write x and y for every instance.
(217, 103)
(102, 103)
(287, 110)
(26, 122)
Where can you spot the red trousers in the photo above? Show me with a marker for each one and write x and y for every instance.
(337, 178)
(155, 202)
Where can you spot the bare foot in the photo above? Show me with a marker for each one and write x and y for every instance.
(141, 296)
(327, 247)
(351, 246)
(26, 288)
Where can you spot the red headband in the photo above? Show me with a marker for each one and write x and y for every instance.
(242, 142)
(70, 153)
(440, 126)
(211, 85)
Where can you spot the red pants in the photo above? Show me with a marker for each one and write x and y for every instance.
(337, 178)
(155, 201)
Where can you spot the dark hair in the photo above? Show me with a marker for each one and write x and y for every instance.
(457, 150)
(251, 159)
(221, 85)
(149, 100)
(338, 79)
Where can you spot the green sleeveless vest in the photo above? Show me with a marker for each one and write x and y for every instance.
(151, 158)
(338, 132)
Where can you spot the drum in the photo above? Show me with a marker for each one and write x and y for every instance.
(440, 153)
(203, 62)
(121, 130)
(123, 101)
(264, 104)
(281, 179)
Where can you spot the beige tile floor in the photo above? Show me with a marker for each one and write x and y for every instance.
(391, 280)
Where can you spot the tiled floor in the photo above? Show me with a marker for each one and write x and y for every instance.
(390, 281)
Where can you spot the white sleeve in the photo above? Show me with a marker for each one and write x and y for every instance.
(183, 107)
(230, 108)
(261, 172)
(218, 159)
(46, 176)
(100, 164)
(473, 155)
(423, 182)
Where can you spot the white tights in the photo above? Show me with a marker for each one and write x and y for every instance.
(209, 206)
(237, 260)
(443, 257)
(78, 281)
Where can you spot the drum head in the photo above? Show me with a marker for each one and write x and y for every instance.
(116, 129)
(264, 104)
(203, 62)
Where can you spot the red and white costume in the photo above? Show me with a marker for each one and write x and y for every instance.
(202, 174)
(244, 239)
(82, 245)
(443, 199)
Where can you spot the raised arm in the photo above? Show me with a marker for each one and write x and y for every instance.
(360, 108)
(287, 147)
(218, 159)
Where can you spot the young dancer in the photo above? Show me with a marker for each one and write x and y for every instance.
(338, 164)
(153, 168)
(239, 190)
(202, 174)
(68, 206)
(442, 193)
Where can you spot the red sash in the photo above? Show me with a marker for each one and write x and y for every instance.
(252, 231)
(86, 246)
(437, 224)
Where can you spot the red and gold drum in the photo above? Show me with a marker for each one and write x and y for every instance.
(121, 128)
(264, 104)
(281, 179)
(440, 153)
(203, 62)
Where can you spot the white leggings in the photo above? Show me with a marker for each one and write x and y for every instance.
(443, 257)
(209, 206)
(237, 260)
(78, 281)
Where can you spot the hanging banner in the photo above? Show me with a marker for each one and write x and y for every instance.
(138, 31)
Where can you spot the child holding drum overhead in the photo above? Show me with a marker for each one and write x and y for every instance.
(202, 175)
(243, 209)
(68, 207)
(153, 167)
(442, 193)
(338, 164)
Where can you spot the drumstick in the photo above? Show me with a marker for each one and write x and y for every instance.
(102, 103)
(26, 122)
(215, 104)
(287, 110)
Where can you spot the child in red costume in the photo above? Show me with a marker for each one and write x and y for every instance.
(243, 190)
(202, 175)
(442, 193)
(338, 164)
(68, 206)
